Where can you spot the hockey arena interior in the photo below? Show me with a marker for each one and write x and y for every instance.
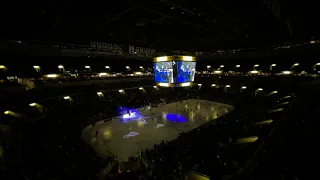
(164, 89)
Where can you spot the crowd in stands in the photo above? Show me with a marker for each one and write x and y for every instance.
(49, 146)
(214, 149)
(290, 153)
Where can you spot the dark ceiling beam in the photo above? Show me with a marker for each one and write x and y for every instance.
(220, 9)
(116, 17)
(174, 18)
(60, 13)
(159, 19)
(179, 7)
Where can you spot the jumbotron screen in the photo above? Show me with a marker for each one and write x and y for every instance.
(163, 72)
(186, 71)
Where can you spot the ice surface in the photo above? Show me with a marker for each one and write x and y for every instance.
(163, 123)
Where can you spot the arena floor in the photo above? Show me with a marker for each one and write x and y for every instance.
(129, 133)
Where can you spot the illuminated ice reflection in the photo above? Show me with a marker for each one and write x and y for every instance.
(174, 118)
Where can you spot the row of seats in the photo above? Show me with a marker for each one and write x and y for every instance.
(290, 153)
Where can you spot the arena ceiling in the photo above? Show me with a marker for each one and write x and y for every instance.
(199, 25)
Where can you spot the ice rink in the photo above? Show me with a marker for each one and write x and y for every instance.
(129, 133)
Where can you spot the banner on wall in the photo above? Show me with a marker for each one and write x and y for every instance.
(198, 53)
(141, 50)
(289, 26)
(119, 49)
(101, 46)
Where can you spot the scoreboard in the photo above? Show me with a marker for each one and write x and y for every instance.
(174, 71)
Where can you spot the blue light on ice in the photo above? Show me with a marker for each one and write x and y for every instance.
(127, 114)
(175, 118)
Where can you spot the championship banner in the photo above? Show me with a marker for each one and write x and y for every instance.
(118, 49)
(198, 53)
(141, 50)
(100, 46)
(289, 26)
(274, 7)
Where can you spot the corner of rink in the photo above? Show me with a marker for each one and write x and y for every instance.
(129, 133)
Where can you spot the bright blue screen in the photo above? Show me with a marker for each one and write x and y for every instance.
(163, 72)
(186, 71)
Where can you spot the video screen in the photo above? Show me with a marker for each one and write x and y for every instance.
(163, 72)
(186, 71)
